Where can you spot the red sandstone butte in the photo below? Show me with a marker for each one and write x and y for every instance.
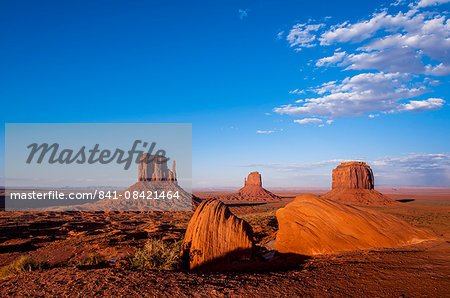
(154, 180)
(253, 179)
(353, 183)
(353, 175)
(215, 237)
(253, 190)
(154, 168)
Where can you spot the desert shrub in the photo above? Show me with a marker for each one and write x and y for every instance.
(22, 264)
(156, 254)
(91, 260)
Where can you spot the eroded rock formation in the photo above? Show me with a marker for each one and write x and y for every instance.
(253, 179)
(154, 168)
(252, 191)
(157, 189)
(352, 175)
(353, 183)
(311, 225)
(215, 237)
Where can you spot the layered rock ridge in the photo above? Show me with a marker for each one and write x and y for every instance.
(215, 237)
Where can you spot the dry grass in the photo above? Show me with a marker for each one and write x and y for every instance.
(91, 260)
(22, 264)
(156, 254)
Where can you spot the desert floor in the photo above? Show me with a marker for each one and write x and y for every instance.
(63, 239)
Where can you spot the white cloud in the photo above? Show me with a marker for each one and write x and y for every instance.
(410, 38)
(416, 162)
(398, 2)
(423, 105)
(398, 54)
(425, 3)
(308, 121)
(265, 131)
(392, 60)
(242, 13)
(438, 70)
(296, 166)
(418, 169)
(297, 91)
(357, 95)
(302, 35)
(356, 32)
(337, 57)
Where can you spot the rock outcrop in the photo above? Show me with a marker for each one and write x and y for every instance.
(253, 179)
(352, 175)
(353, 183)
(154, 168)
(252, 191)
(311, 225)
(215, 237)
(157, 189)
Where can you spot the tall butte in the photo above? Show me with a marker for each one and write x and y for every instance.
(253, 190)
(154, 168)
(157, 189)
(353, 183)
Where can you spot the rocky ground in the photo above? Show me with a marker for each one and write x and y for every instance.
(63, 238)
(420, 270)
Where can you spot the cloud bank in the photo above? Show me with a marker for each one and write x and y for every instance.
(399, 57)
(418, 169)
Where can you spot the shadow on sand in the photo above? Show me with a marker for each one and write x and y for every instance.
(228, 263)
(245, 204)
(405, 200)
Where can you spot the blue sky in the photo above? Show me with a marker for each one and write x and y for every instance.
(288, 88)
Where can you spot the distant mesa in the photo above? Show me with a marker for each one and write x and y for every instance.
(154, 179)
(215, 237)
(252, 191)
(353, 183)
(353, 175)
(253, 179)
(154, 168)
(154, 176)
(311, 225)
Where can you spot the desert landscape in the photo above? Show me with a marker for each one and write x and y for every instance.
(225, 148)
(293, 244)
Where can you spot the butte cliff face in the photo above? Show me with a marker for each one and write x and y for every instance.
(252, 191)
(352, 175)
(154, 168)
(157, 189)
(215, 237)
(253, 179)
(353, 183)
(311, 225)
